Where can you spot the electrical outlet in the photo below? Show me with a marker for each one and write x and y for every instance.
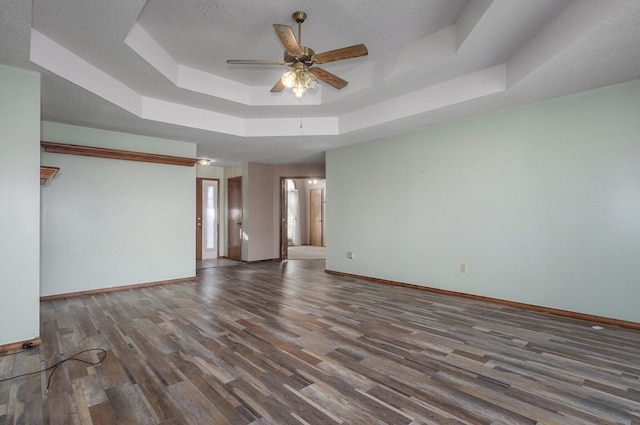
(463, 268)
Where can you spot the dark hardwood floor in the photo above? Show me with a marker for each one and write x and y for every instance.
(272, 343)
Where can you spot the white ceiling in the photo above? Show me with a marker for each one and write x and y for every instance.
(158, 67)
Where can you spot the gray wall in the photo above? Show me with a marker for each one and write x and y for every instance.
(542, 203)
(19, 205)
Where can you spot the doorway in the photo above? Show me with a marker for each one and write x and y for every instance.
(297, 194)
(207, 216)
(234, 218)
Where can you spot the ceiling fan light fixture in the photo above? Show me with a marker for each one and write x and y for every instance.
(299, 79)
(299, 88)
(289, 79)
(300, 58)
(310, 81)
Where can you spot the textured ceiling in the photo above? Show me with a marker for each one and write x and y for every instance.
(159, 68)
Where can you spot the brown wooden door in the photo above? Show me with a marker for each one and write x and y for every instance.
(234, 218)
(315, 217)
(198, 219)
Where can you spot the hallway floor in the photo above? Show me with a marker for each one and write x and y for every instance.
(307, 252)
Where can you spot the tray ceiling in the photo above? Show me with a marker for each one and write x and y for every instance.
(159, 67)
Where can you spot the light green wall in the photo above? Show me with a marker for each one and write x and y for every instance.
(86, 136)
(542, 203)
(107, 222)
(19, 205)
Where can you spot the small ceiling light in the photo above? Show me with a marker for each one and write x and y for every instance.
(311, 81)
(299, 89)
(289, 78)
(204, 162)
(299, 79)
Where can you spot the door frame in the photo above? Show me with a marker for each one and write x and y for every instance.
(199, 216)
(284, 243)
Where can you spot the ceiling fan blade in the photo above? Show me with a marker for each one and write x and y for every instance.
(254, 62)
(288, 40)
(329, 78)
(340, 54)
(278, 87)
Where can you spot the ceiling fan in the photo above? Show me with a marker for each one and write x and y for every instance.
(303, 74)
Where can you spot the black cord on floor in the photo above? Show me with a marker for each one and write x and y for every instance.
(61, 362)
(13, 354)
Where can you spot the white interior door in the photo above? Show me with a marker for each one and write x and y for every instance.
(209, 219)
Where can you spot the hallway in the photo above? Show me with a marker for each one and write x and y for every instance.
(307, 252)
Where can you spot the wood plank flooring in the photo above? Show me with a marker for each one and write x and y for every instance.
(272, 343)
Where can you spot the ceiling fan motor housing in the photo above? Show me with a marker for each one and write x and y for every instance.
(307, 56)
